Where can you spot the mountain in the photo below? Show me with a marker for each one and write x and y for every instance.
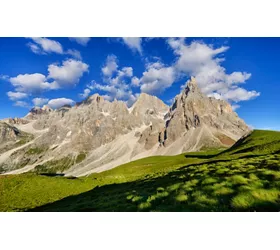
(97, 135)
(197, 121)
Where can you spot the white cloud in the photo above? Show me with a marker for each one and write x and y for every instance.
(120, 92)
(16, 95)
(240, 94)
(59, 102)
(237, 77)
(235, 107)
(80, 40)
(4, 77)
(157, 78)
(40, 101)
(111, 66)
(170, 101)
(117, 82)
(111, 73)
(45, 45)
(134, 43)
(85, 94)
(135, 81)
(215, 95)
(107, 97)
(31, 83)
(126, 72)
(68, 74)
(75, 53)
(21, 104)
(35, 48)
(204, 62)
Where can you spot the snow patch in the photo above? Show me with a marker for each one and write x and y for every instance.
(105, 113)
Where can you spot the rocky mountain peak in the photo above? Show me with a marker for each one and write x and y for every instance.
(192, 110)
(95, 98)
(192, 87)
(37, 111)
(148, 104)
(46, 108)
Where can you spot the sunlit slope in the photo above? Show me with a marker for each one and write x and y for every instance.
(245, 177)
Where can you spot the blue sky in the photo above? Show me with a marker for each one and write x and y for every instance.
(57, 71)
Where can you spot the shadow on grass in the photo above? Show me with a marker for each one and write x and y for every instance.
(200, 156)
(52, 174)
(200, 187)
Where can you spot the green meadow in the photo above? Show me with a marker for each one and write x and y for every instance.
(245, 177)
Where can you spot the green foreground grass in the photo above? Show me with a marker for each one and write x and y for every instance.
(245, 177)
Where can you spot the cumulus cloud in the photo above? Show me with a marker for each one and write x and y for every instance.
(116, 82)
(119, 92)
(170, 101)
(205, 63)
(80, 40)
(4, 77)
(75, 53)
(31, 83)
(36, 49)
(60, 76)
(16, 95)
(235, 107)
(67, 74)
(44, 46)
(157, 78)
(134, 43)
(111, 73)
(110, 67)
(85, 94)
(39, 101)
(59, 102)
(126, 72)
(135, 81)
(21, 104)
(240, 94)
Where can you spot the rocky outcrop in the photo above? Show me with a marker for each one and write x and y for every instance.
(8, 133)
(16, 121)
(11, 137)
(36, 112)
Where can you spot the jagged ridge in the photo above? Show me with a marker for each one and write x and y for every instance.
(110, 134)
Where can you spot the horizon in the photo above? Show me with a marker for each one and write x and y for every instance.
(59, 71)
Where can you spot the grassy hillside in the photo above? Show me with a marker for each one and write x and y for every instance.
(245, 177)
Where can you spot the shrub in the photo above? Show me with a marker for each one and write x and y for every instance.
(254, 199)
(238, 180)
(181, 197)
(80, 157)
(144, 205)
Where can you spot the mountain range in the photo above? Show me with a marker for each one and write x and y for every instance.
(96, 135)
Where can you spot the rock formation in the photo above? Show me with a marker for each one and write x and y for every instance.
(108, 134)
